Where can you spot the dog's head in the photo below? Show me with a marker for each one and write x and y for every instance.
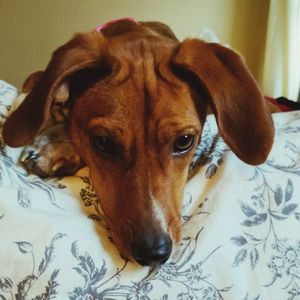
(138, 104)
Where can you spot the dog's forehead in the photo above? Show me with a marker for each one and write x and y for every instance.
(141, 84)
(131, 104)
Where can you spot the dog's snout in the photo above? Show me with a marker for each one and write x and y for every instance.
(151, 250)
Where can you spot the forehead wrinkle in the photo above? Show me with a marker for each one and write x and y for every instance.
(145, 83)
(150, 81)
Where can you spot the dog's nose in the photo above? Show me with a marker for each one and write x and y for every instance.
(152, 250)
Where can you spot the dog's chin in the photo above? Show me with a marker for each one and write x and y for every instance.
(122, 247)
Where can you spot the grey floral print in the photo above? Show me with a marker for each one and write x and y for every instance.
(240, 229)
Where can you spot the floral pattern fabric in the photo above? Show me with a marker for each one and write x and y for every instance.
(240, 229)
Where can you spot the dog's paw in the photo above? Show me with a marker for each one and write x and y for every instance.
(51, 154)
(45, 164)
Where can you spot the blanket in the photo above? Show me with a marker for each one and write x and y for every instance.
(240, 229)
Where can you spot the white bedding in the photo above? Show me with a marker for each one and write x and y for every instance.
(240, 224)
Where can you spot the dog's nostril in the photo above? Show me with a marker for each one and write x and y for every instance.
(150, 253)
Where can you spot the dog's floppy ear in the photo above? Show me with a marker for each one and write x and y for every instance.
(83, 51)
(31, 81)
(244, 121)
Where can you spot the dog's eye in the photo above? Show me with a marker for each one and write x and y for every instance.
(183, 144)
(104, 144)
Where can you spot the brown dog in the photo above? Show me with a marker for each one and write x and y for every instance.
(138, 101)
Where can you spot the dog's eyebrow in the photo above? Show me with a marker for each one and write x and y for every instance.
(95, 122)
(178, 120)
(169, 128)
(106, 125)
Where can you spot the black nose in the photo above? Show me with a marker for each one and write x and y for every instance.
(151, 250)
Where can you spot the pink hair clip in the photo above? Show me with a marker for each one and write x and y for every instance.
(107, 24)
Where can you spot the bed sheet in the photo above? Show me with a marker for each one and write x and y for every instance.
(240, 229)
